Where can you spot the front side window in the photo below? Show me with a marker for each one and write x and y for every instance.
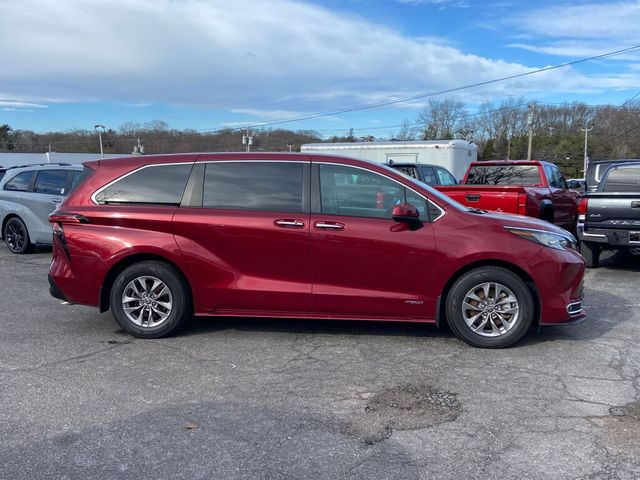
(429, 176)
(623, 180)
(262, 186)
(504, 175)
(51, 182)
(366, 194)
(445, 177)
(20, 183)
(420, 203)
(157, 184)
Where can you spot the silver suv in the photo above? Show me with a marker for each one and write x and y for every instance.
(28, 194)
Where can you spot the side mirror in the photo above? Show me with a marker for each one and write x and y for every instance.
(407, 213)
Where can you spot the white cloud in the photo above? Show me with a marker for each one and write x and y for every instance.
(260, 58)
(14, 104)
(580, 30)
(598, 20)
(441, 4)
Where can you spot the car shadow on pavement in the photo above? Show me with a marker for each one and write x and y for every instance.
(206, 325)
(620, 260)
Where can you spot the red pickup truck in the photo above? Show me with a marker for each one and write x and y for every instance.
(535, 189)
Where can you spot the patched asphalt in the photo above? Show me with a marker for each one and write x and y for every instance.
(298, 399)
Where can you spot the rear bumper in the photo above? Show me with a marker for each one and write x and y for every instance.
(613, 238)
(55, 291)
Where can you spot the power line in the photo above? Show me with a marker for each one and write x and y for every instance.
(416, 97)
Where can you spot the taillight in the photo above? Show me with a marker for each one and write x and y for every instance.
(62, 217)
(522, 203)
(57, 220)
(582, 206)
(380, 200)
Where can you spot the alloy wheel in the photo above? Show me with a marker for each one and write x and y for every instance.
(490, 309)
(15, 236)
(147, 301)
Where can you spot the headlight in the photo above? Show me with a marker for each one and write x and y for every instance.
(547, 239)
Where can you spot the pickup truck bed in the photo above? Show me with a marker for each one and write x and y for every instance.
(535, 189)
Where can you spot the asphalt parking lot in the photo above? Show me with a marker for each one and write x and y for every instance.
(274, 399)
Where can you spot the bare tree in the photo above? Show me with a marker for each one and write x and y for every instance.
(440, 119)
(406, 132)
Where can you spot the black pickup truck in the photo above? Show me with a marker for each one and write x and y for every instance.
(609, 218)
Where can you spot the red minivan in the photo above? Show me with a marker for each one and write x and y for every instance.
(158, 239)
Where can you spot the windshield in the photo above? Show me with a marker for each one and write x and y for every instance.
(504, 175)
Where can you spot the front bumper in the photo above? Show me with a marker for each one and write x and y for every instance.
(558, 276)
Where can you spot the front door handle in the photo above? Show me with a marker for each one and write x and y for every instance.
(329, 225)
(56, 200)
(287, 223)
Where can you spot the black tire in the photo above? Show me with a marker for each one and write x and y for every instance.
(16, 236)
(548, 215)
(475, 278)
(591, 253)
(180, 298)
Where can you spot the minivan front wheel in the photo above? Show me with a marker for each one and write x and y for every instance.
(490, 307)
(16, 236)
(150, 300)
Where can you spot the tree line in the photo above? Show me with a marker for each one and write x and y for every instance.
(501, 130)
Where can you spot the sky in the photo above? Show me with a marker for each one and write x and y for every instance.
(209, 64)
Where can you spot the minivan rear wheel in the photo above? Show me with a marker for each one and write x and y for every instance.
(490, 307)
(16, 236)
(150, 300)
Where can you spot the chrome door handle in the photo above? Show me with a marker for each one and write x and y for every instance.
(289, 223)
(329, 226)
(56, 200)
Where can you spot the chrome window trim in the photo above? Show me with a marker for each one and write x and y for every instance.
(442, 211)
(112, 182)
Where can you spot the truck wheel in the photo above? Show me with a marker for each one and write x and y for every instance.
(548, 215)
(490, 307)
(591, 253)
(150, 300)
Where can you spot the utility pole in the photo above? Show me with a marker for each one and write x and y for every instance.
(290, 145)
(138, 149)
(247, 140)
(530, 117)
(586, 129)
(100, 130)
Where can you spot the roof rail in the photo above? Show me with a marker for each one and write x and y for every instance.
(39, 165)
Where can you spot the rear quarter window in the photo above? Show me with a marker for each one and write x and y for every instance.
(20, 183)
(156, 184)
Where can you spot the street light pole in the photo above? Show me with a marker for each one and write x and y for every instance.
(100, 130)
(586, 131)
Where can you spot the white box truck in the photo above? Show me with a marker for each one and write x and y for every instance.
(454, 155)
